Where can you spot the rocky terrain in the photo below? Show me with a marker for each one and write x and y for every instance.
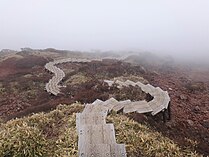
(23, 79)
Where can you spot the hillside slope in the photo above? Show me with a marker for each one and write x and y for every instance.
(54, 134)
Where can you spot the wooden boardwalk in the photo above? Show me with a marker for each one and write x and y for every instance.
(159, 103)
(53, 86)
(96, 137)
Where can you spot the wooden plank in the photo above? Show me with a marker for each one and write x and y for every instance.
(158, 92)
(88, 108)
(97, 118)
(100, 118)
(96, 134)
(96, 106)
(101, 108)
(157, 101)
(166, 99)
(121, 84)
(78, 121)
(111, 100)
(140, 106)
(149, 89)
(97, 102)
(163, 102)
(109, 82)
(89, 119)
(156, 104)
(96, 140)
(140, 84)
(99, 150)
(110, 103)
(84, 136)
(121, 104)
(118, 150)
(84, 140)
(130, 83)
(109, 134)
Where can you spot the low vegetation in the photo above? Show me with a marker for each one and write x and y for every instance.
(54, 134)
(51, 134)
(140, 140)
(77, 79)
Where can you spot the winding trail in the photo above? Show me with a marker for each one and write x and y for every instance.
(96, 138)
(53, 86)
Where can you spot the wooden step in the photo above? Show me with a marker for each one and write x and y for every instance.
(139, 106)
(120, 105)
(89, 108)
(97, 118)
(98, 150)
(110, 103)
(118, 150)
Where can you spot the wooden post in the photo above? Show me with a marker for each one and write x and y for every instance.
(169, 110)
(164, 115)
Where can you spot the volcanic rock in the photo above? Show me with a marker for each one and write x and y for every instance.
(205, 124)
(197, 109)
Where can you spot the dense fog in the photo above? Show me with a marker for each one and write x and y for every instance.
(178, 28)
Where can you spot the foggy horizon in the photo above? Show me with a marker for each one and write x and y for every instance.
(176, 28)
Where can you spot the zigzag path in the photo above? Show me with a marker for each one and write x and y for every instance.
(96, 137)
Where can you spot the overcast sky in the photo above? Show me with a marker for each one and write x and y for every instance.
(168, 26)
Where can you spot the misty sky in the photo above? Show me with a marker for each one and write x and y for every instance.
(166, 26)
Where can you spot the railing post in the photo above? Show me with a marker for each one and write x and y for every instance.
(164, 115)
(169, 110)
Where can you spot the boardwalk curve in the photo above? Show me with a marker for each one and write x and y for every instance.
(96, 137)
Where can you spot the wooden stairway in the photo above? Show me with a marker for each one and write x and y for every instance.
(96, 138)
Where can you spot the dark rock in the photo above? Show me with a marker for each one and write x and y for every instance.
(140, 118)
(205, 124)
(170, 124)
(180, 105)
(196, 109)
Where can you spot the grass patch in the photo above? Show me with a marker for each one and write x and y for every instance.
(140, 140)
(77, 79)
(51, 134)
(54, 134)
(132, 78)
